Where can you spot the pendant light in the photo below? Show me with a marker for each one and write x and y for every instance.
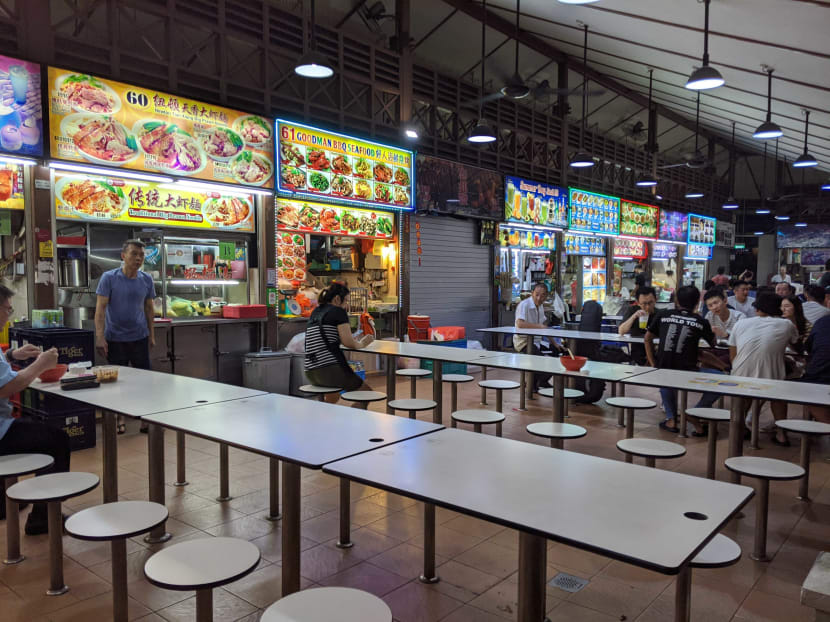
(313, 64)
(705, 77)
(482, 133)
(583, 159)
(646, 179)
(694, 193)
(805, 159)
(763, 210)
(768, 129)
(825, 186)
(731, 203)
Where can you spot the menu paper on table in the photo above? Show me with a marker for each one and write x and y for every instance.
(593, 213)
(535, 203)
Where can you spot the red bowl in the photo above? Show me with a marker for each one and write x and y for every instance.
(572, 364)
(55, 374)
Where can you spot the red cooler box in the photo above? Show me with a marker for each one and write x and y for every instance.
(244, 311)
(447, 333)
(417, 327)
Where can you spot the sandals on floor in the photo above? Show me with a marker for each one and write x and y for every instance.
(122, 427)
(665, 426)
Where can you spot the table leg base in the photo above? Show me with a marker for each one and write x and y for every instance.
(224, 498)
(57, 592)
(764, 558)
(806, 499)
(157, 540)
(346, 545)
(17, 560)
(424, 579)
(180, 483)
(273, 519)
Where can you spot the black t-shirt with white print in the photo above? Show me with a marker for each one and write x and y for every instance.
(680, 332)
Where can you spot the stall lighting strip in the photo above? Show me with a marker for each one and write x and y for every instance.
(204, 187)
(21, 161)
(508, 224)
(634, 237)
(202, 282)
(670, 242)
(95, 170)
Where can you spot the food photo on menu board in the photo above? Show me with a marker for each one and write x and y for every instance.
(593, 213)
(535, 203)
(11, 186)
(310, 217)
(701, 230)
(525, 238)
(113, 124)
(639, 219)
(627, 247)
(342, 168)
(672, 226)
(21, 115)
(583, 245)
(698, 251)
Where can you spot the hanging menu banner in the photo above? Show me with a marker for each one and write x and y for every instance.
(664, 251)
(584, 245)
(309, 217)
(672, 226)
(535, 203)
(698, 251)
(725, 234)
(627, 247)
(11, 186)
(593, 213)
(114, 124)
(337, 167)
(701, 230)
(537, 239)
(21, 115)
(120, 201)
(639, 219)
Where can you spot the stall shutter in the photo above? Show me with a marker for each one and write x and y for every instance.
(452, 283)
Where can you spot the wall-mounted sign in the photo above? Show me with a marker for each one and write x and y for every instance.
(725, 234)
(584, 245)
(487, 230)
(627, 247)
(21, 116)
(815, 257)
(341, 168)
(814, 236)
(532, 239)
(11, 186)
(664, 251)
(535, 203)
(593, 213)
(447, 187)
(701, 230)
(114, 124)
(639, 219)
(118, 201)
(293, 215)
(700, 252)
(672, 226)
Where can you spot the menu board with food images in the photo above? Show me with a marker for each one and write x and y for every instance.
(701, 230)
(698, 251)
(639, 219)
(536, 239)
(628, 247)
(322, 218)
(593, 278)
(338, 167)
(11, 186)
(594, 213)
(664, 251)
(584, 245)
(121, 201)
(672, 226)
(535, 203)
(21, 114)
(291, 256)
(114, 124)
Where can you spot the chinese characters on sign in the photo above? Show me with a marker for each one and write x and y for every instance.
(318, 217)
(627, 247)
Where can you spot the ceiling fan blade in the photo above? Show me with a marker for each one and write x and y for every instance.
(672, 165)
(475, 103)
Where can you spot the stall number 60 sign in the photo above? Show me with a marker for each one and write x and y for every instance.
(418, 241)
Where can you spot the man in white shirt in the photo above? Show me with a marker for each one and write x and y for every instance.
(741, 300)
(530, 313)
(814, 308)
(720, 316)
(782, 276)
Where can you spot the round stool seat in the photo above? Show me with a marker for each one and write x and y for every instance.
(312, 388)
(23, 464)
(764, 468)
(201, 564)
(710, 414)
(803, 426)
(570, 394)
(412, 404)
(650, 448)
(499, 384)
(122, 519)
(457, 378)
(721, 551)
(630, 402)
(478, 416)
(549, 429)
(343, 604)
(413, 372)
(52, 487)
(363, 396)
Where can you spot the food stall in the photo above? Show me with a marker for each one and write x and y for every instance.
(700, 242)
(638, 222)
(627, 253)
(666, 257)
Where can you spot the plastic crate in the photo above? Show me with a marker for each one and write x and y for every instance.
(78, 423)
(244, 311)
(446, 367)
(73, 344)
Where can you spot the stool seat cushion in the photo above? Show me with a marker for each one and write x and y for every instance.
(499, 384)
(630, 402)
(764, 468)
(343, 604)
(203, 563)
(570, 394)
(803, 426)
(23, 464)
(412, 404)
(475, 415)
(122, 519)
(650, 448)
(413, 372)
(710, 414)
(311, 388)
(549, 429)
(721, 551)
(457, 378)
(52, 487)
(363, 396)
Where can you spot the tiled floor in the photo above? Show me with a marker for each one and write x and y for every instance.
(477, 561)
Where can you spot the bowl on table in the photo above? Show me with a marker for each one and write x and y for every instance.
(573, 364)
(54, 374)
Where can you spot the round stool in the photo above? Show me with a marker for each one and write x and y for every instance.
(202, 565)
(764, 470)
(116, 522)
(478, 418)
(807, 429)
(363, 398)
(570, 394)
(499, 386)
(413, 375)
(12, 467)
(713, 416)
(52, 489)
(412, 405)
(628, 405)
(343, 604)
(719, 553)
(650, 449)
(320, 392)
(556, 432)
(455, 380)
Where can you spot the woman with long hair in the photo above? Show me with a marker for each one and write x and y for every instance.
(793, 310)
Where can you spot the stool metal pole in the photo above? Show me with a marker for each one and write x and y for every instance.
(651, 461)
(558, 398)
(620, 411)
(273, 490)
(437, 392)
(413, 387)
(454, 397)
(204, 605)
(119, 579)
(532, 574)
(804, 484)
(224, 475)
(711, 449)
(629, 430)
(345, 541)
(391, 381)
(56, 584)
(759, 550)
(429, 575)
(181, 476)
(736, 433)
(483, 390)
(109, 430)
(13, 555)
(756, 424)
(683, 402)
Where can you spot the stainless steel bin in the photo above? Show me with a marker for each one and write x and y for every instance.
(267, 371)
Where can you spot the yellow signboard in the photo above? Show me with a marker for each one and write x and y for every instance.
(334, 219)
(11, 186)
(114, 124)
(119, 201)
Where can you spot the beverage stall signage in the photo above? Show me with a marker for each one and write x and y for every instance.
(672, 226)
(21, 115)
(293, 215)
(584, 245)
(701, 230)
(639, 219)
(627, 247)
(114, 124)
(341, 168)
(664, 251)
(593, 213)
(698, 251)
(535, 203)
(11, 186)
(120, 201)
(532, 239)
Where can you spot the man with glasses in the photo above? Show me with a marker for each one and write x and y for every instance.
(637, 317)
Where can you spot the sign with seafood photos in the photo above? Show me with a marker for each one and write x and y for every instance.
(535, 203)
(340, 168)
(322, 218)
(113, 124)
(120, 201)
(639, 219)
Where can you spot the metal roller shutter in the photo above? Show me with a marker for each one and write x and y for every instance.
(452, 284)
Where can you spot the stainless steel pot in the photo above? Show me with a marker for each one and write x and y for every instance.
(74, 317)
(73, 273)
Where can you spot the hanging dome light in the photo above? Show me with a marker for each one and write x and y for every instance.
(694, 193)
(705, 77)
(768, 129)
(482, 133)
(314, 65)
(646, 180)
(582, 159)
(805, 159)
(730, 203)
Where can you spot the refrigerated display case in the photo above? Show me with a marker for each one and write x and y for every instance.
(695, 262)
(584, 270)
(525, 253)
(664, 269)
(628, 253)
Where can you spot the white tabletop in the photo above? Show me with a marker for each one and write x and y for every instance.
(564, 333)
(123, 519)
(140, 392)
(424, 351)
(302, 431)
(202, 563)
(21, 464)
(52, 487)
(556, 430)
(605, 506)
(611, 372)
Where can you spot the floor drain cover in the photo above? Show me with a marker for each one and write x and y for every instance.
(568, 582)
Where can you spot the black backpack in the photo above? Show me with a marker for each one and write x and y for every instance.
(590, 320)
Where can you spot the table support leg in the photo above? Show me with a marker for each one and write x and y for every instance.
(483, 390)
(532, 573)
(629, 430)
(711, 449)
(429, 575)
(224, 474)
(181, 464)
(683, 403)
(391, 381)
(345, 541)
(683, 595)
(736, 433)
(204, 605)
(437, 392)
(620, 411)
(273, 490)
(155, 451)
(614, 391)
(527, 378)
(109, 430)
(56, 584)
(759, 549)
(804, 484)
(13, 555)
(413, 387)
(290, 528)
(756, 425)
(558, 399)
(119, 579)
(453, 397)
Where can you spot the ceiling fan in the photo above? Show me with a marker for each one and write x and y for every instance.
(696, 159)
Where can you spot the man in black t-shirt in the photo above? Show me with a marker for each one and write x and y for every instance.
(635, 320)
(679, 331)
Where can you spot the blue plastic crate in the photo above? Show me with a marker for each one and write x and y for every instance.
(446, 368)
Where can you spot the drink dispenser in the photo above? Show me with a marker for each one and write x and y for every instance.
(73, 268)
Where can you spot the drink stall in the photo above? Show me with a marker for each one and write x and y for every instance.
(700, 242)
(666, 258)
(627, 253)
(639, 222)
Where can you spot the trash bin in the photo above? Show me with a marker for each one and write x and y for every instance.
(267, 371)
(298, 377)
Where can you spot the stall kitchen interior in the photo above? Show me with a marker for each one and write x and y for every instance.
(443, 311)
